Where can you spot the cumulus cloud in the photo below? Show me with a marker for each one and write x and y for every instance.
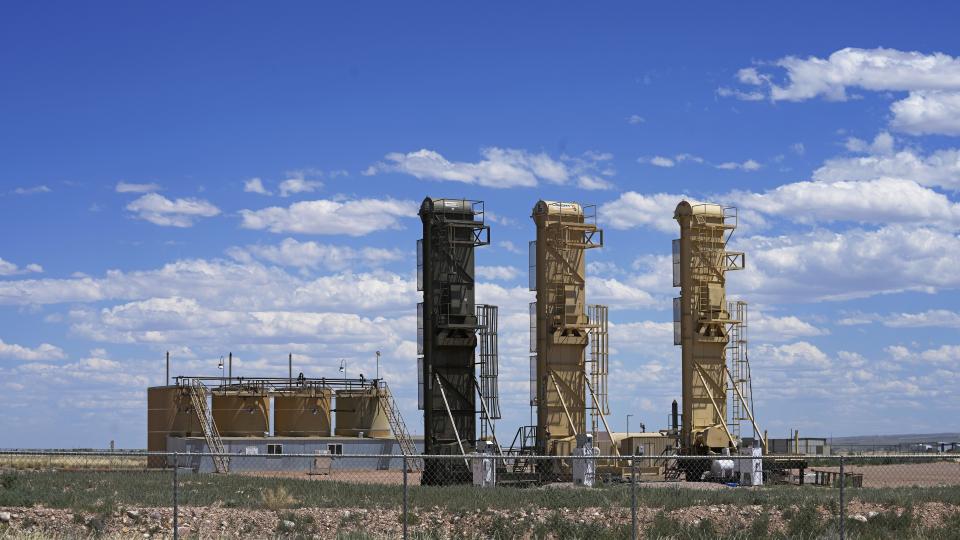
(634, 209)
(7, 268)
(871, 69)
(291, 252)
(33, 190)
(933, 318)
(500, 273)
(771, 328)
(940, 168)
(748, 165)
(635, 119)
(221, 284)
(660, 161)
(592, 183)
(298, 182)
(931, 80)
(930, 112)
(183, 320)
(128, 187)
(44, 351)
(255, 185)
(882, 200)
(800, 355)
(323, 216)
(498, 168)
(827, 265)
(162, 211)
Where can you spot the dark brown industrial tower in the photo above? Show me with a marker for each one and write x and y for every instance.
(448, 324)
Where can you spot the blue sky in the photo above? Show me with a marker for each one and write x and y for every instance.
(215, 178)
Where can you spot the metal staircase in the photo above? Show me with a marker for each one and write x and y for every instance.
(198, 395)
(397, 425)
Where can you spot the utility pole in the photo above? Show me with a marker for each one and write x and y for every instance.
(230, 368)
(628, 426)
(290, 368)
(378, 365)
(168, 368)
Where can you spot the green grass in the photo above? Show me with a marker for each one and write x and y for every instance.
(91, 491)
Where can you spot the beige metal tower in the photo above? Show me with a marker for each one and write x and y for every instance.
(702, 322)
(560, 326)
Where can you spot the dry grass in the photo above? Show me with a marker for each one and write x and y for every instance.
(277, 498)
(10, 462)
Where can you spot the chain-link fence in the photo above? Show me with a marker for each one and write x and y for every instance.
(127, 494)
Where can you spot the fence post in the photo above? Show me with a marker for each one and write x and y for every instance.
(176, 465)
(843, 512)
(633, 498)
(404, 497)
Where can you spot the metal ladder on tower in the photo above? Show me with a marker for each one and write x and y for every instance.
(397, 425)
(198, 395)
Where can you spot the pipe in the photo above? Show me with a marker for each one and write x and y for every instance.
(290, 366)
(168, 368)
(230, 369)
(676, 416)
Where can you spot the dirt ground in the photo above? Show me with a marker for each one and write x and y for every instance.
(938, 473)
(219, 522)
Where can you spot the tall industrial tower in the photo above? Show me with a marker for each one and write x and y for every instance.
(560, 326)
(448, 324)
(702, 322)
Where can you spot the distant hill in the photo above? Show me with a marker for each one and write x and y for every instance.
(896, 439)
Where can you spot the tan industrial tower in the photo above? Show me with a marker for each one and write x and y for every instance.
(560, 326)
(702, 322)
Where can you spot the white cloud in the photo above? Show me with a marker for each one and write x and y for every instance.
(883, 200)
(883, 144)
(222, 284)
(635, 119)
(660, 161)
(31, 190)
(504, 273)
(127, 187)
(932, 81)
(771, 328)
(871, 69)
(725, 91)
(933, 318)
(748, 165)
(160, 210)
(798, 356)
(798, 148)
(291, 252)
(618, 294)
(179, 320)
(351, 217)
(499, 168)
(927, 112)
(939, 168)
(509, 246)
(299, 183)
(591, 182)
(255, 185)
(44, 351)
(7, 268)
(826, 265)
(634, 209)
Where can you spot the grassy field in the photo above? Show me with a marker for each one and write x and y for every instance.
(777, 511)
(82, 490)
(71, 463)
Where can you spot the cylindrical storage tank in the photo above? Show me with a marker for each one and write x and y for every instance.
(359, 411)
(244, 414)
(303, 414)
(169, 412)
